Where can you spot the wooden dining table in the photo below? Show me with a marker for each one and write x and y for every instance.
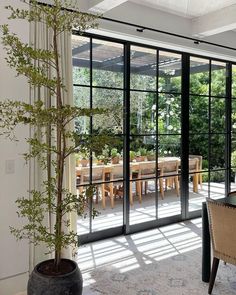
(135, 168)
(206, 241)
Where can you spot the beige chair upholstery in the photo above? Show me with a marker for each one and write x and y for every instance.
(222, 219)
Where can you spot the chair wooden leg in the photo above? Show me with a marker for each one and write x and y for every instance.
(145, 187)
(139, 191)
(111, 195)
(103, 196)
(177, 185)
(131, 194)
(200, 179)
(214, 269)
(161, 188)
(97, 195)
(195, 183)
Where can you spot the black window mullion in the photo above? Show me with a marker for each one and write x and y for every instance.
(209, 131)
(185, 135)
(126, 148)
(91, 134)
(157, 135)
(228, 111)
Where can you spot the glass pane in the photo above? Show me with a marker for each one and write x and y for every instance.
(233, 80)
(142, 200)
(142, 112)
(169, 190)
(233, 179)
(83, 222)
(142, 68)
(107, 174)
(169, 146)
(108, 64)
(198, 147)
(142, 173)
(198, 114)
(217, 184)
(142, 148)
(217, 115)
(109, 203)
(198, 182)
(81, 60)
(217, 151)
(170, 70)
(169, 114)
(82, 100)
(199, 76)
(111, 121)
(218, 78)
(233, 115)
(109, 152)
(233, 153)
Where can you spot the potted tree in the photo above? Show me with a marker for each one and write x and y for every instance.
(51, 121)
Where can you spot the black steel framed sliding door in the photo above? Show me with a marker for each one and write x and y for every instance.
(168, 120)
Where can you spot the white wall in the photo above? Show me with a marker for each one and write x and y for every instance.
(14, 256)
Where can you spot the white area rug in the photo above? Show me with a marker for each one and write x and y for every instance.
(178, 275)
(164, 261)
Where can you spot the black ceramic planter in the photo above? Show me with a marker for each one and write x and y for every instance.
(67, 284)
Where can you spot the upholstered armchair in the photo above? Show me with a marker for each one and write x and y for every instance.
(222, 220)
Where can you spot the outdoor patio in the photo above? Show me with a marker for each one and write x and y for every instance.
(145, 211)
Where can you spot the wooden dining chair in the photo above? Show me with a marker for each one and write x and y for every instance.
(169, 172)
(114, 187)
(222, 219)
(98, 176)
(147, 170)
(193, 164)
(199, 167)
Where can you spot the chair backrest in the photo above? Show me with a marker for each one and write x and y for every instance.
(193, 165)
(222, 220)
(169, 167)
(199, 158)
(148, 169)
(98, 175)
(117, 172)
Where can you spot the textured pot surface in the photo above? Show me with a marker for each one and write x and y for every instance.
(66, 284)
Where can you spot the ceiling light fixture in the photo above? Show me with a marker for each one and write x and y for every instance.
(140, 30)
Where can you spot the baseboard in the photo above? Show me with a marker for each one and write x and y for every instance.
(15, 285)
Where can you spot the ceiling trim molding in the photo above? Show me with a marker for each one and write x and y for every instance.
(215, 22)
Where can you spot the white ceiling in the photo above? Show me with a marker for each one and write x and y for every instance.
(206, 17)
(186, 8)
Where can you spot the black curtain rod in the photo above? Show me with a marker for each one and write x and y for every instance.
(142, 28)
